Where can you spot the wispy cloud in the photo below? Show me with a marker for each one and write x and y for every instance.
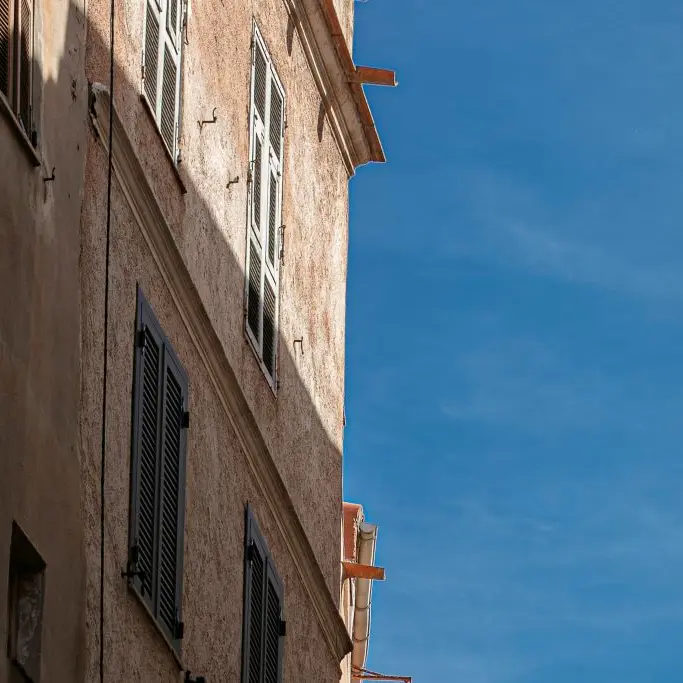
(513, 226)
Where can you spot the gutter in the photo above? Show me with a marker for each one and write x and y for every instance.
(360, 632)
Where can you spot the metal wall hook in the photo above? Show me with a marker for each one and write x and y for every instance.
(234, 181)
(49, 179)
(301, 344)
(206, 121)
(189, 679)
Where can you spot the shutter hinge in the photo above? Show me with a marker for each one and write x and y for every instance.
(185, 419)
(283, 227)
(179, 630)
(250, 551)
(283, 628)
(141, 341)
(142, 68)
(249, 174)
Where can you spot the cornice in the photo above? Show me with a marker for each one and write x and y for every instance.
(334, 72)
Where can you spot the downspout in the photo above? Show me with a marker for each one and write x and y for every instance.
(367, 543)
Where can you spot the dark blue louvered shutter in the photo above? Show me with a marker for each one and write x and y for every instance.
(263, 625)
(172, 496)
(146, 438)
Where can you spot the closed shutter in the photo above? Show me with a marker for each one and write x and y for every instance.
(26, 64)
(162, 61)
(5, 21)
(267, 125)
(172, 491)
(263, 607)
(147, 402)
(272, 660)
(159, 444)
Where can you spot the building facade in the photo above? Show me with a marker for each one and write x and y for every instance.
(172, 336)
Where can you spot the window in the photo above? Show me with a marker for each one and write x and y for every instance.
(264, 628)
(25, 608)
(164, 22)
(157, 507)
(265, 207)
(16, 59)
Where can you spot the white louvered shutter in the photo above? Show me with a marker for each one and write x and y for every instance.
(162, 64)
(263, 260)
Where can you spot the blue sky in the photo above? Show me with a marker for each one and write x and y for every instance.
(515, 340)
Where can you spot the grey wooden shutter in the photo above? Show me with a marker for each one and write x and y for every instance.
(254, 607)
(26, 64)
(172, 494)
(273, 628)
(145, 466)
(159, 447)
(151, 57)
(263, 605)
(5, 22)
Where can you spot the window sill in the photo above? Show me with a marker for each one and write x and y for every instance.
(174, 166)
(20, 134)
(159, 630)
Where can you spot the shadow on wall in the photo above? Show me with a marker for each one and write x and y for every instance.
(307, 457)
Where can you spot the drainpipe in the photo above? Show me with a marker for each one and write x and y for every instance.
(367, 542)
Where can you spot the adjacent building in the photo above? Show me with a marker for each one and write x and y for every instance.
(173, 260)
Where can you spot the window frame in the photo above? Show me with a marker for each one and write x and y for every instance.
(175, 41)
(271, 166)
(167, 358)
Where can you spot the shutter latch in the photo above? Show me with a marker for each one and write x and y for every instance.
(250, 552)
(179, 630)
(283, 628)
(282, 243)
(131, 570)
(185, 420)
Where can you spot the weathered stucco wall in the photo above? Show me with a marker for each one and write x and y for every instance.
(218, 484)
(39, 339)
(303, 425)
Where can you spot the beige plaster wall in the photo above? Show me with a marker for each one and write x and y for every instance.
(303, 425)
(218, 486)
(345, 12)
(39, 339)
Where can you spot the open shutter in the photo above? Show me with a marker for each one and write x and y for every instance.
(5, 20)
(172, 492)
(26, 64)
(147, 402)
(151, 56)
